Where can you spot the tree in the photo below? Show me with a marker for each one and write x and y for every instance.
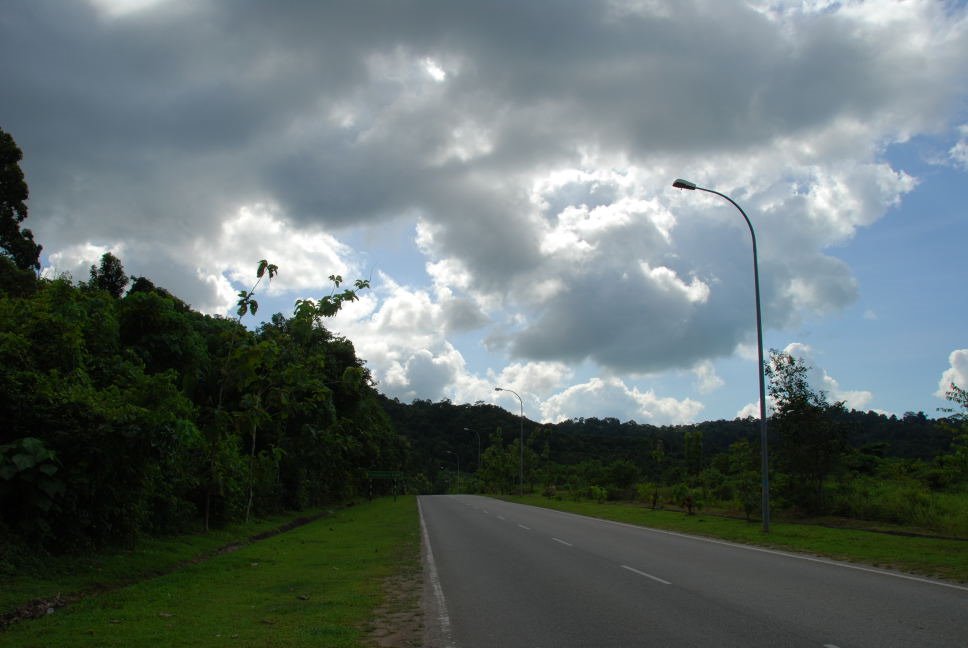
(109, 275)
(15, 243)
(813, 436)
(956, 462)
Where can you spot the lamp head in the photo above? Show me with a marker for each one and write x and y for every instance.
(684, 184)
(498, 389)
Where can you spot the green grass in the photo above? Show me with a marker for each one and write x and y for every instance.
(316, 585)
(38, 577)
(939, 558)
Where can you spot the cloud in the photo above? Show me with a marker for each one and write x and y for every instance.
(531, 144)
(611, 397)
(820, 380)
(956, 374)
(706, 378)
(959, 152)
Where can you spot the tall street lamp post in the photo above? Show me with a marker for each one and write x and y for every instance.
(521, 442)
(764, 457)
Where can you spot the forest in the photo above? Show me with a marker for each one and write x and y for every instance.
(125, 413)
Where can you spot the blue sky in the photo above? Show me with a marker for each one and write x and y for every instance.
(502, 172)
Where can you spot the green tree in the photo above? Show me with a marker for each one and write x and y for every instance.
(813, 436)
(109, 275)
(745, 476)
(15, 243)
(955, 462)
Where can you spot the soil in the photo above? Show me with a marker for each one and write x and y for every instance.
(399, 621)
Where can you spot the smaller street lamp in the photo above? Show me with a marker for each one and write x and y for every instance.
(521, 442)
(458, 467)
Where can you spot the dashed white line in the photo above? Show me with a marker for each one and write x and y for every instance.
(567, 544)
(500, 517)
(526, 528)
(642, 573)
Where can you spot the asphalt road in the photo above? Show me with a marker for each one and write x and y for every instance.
(501, 575)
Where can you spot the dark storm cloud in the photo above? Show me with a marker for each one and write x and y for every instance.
(152, 127)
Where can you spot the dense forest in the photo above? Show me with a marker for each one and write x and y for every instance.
(124, 412)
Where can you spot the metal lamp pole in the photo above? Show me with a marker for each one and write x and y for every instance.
(521, 442)
(764, 457)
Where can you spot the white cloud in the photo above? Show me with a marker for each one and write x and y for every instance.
(959, 152)
(956, 373)
(820, 380)
(706, 378)
(611, 397)
(76, 260)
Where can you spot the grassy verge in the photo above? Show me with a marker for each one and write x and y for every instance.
(70, 576)
(933, 557)
(311, 586)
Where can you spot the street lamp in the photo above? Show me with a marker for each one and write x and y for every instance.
(764, 457)
(458, 467)
(478, 447)
(521, 442)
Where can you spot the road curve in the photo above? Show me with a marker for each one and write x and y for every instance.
(505, 575)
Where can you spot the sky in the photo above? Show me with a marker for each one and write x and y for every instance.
(502, 174)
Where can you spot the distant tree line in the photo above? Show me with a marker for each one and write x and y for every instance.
(825, 459)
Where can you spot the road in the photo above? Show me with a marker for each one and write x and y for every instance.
(502, 575)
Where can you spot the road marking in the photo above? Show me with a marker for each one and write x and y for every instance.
(524, 527)
(736, 545)
(500, 517)
(567, 544)
(642, 573)
(442, 615)
(485, 510)
(830, 646)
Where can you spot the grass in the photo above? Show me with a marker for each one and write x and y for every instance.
(44, 577)
(938, 558)
(316, 585)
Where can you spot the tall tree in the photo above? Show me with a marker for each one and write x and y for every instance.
(813, 435)
(109, 275)
(15, 243)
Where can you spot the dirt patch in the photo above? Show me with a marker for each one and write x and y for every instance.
(399, 621)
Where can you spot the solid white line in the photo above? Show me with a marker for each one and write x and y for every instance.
(524, 527)
(442, 616)
(567, 544)
(642, 573)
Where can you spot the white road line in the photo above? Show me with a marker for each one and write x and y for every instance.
(642, 573)
(736, 545)
(485, 510)
(442, 615)
(500, 517)
(830, 646)
(567, 544)
(526, 528)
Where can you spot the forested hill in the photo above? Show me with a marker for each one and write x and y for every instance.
(436, 428)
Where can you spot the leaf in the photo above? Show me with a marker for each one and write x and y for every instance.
(263, 264)
(253, 305)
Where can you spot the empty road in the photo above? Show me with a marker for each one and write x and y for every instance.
(507, 575)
